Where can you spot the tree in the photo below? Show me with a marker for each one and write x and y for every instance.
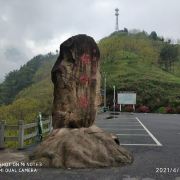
(169, 41)
(125, 30)
(153, 35)
(168, 56)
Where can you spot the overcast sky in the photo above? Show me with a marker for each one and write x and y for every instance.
(32, 27)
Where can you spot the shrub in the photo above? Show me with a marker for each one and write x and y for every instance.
(169, 109)
(143, 109)
(178, 109)
(129, 108)
(161, 110)
(117, 107)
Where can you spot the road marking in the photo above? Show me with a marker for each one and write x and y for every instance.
(119, 125)
(129, 125)
(126, 118)
(122, 123)
(132, 134)
(135, 121)
(128, 122)
(139, 144)
(152, 136)
(127, 129)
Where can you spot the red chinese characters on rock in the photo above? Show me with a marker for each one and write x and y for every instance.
(85, 58)
(84, 79)
(83, 102)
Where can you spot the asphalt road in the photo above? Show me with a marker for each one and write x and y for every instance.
(154, 139)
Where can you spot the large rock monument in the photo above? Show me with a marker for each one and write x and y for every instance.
(75, 141)
(76, 81)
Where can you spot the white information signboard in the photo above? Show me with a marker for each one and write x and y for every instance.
(127, 98)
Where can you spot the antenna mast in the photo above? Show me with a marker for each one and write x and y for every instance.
(117, 14)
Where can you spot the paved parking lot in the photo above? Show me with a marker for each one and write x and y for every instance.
(154, 140)
(130, 130)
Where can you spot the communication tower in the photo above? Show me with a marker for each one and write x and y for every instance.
(117, 14)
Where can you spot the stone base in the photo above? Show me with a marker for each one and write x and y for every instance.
(80, 148)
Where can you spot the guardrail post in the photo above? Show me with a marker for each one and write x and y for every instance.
(2, 128)
(21, 134)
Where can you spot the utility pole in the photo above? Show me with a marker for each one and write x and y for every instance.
(114, 100)
(117, 14)
(105, 92)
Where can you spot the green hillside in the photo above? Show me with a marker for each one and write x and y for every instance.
(34, 98)
(130, 61)
(28, 74)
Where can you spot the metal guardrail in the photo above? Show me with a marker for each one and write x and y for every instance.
(21, 127)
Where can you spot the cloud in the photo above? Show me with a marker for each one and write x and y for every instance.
(39, 26)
